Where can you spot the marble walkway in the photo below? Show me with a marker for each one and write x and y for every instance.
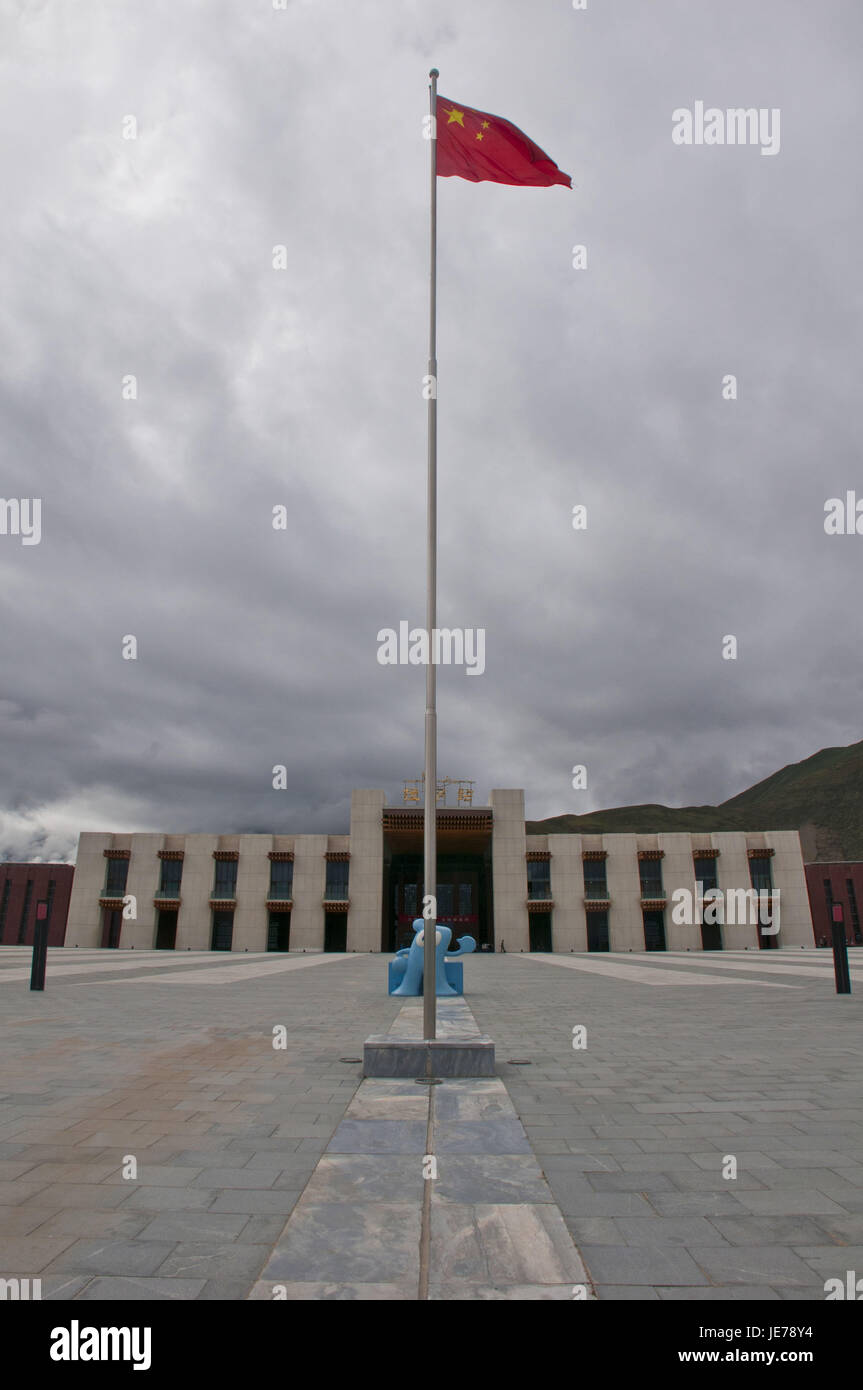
(427, 1192)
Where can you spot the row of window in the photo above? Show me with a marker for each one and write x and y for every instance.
(225, 882)
(222, 931)
(650, 875)
(653, 925)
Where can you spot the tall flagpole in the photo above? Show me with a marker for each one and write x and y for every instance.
(430, 804)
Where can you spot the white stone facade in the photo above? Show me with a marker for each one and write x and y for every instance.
(569, 917)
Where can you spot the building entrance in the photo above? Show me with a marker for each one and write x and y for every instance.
(112, 925)
(461, 898)
(166, 930)
(279, 931)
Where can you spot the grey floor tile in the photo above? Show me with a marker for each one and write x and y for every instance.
(131, 1290)
(468, 1179)
(728, 1293)
(214, 1260)
(366, 1178)
(293, 1291)
(502, 1244)
(452, 1292)
(341, 1243)
(625, 1293)
(504, 1135)
(652, 1265)
(194, 1226)
(379, 1136)
(773, 1265)
(111, 1257)
(670, 1230)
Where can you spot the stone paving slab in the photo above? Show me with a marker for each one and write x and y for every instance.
(226, 1129)
(624, 1140)
(772, 1079)
(486, 1223)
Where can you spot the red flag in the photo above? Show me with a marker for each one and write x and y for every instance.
(483, 148)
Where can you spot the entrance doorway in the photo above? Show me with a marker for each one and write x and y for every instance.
(462, 898)
(540, 931)
(223, 931)
(654, 929)
(279, 931)
(336, 932)
(597, 930)
(711, 936)
(166, 930)
(112, 925)
(767, 943)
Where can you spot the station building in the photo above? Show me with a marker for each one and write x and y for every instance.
(833, 885)
(23, 887)
(360, 892)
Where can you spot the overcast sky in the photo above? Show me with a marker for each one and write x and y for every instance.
(302, 127)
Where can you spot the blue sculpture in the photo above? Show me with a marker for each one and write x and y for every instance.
(406, 971)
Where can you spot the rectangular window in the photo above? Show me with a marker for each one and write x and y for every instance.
(465, 900)
(25, 911)
(49, 898)
(116, 873)
(595, 880)
(539, 879)
(444, 901)
(650, 874)
(337, 880)
(761, 875)
(705, 872)
(170, 878)
(226, 881)
(281, 878)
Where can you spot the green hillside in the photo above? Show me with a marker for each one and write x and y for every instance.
(822, 797)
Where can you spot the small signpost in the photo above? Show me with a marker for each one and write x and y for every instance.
(840, 952)
(40, 947)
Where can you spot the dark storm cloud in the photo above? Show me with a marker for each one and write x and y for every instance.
(301, 388)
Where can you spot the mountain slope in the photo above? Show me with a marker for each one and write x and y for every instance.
(821, 796)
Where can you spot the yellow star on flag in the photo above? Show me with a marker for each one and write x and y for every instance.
(455, 115)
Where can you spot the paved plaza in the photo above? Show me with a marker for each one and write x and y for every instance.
(155, 1144)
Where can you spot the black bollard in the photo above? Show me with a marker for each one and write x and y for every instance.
(40, 947)
(840, 952)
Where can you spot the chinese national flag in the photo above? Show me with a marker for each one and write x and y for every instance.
(483, 148)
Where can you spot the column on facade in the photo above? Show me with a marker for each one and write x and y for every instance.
(310, 877)
(365, 885)
(509, 870)
(569, 921)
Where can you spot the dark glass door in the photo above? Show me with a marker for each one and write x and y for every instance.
(166, 930)
(223, 931)
(112, 925)
(279, 931)
(336, 932)
(540, 931)
(711, 936)
(654, 930)
(597, 931)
